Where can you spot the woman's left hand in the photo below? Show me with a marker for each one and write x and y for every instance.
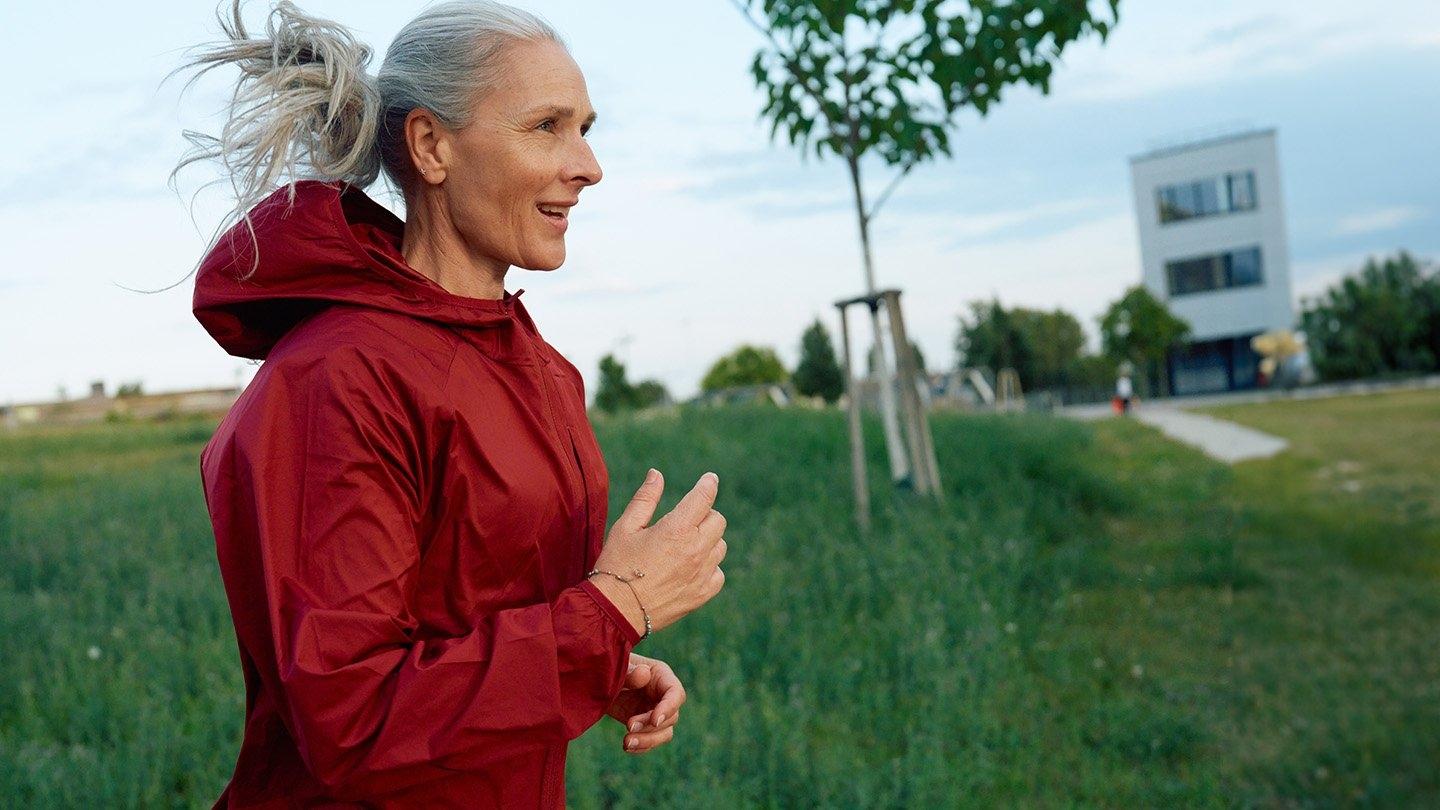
(648, 704)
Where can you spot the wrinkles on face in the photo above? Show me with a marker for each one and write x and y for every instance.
(518, 154)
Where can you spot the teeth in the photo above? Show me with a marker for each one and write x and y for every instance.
(559, 211)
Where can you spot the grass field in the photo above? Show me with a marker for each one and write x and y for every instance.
(1096, 616)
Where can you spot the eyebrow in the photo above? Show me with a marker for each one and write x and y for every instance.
(562, 110)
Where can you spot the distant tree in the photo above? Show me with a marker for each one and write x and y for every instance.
(818, 373)
(747, 365)
(615, 393)
(130, 389)
(1091, 371)
(650, 392)
(991, 338)
(1141, 329)
(1043, 347)
(1385, 318)
(1055, 340)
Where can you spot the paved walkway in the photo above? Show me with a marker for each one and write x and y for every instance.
(1228, 441)
(1217, 438)
(1341, 389)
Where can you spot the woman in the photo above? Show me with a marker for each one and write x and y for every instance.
(408, 499)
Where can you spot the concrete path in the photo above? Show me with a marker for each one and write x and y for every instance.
(1228, 441)
(1217, 438)
(1322, 391)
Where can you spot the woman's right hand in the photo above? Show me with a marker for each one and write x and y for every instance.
(679, 554)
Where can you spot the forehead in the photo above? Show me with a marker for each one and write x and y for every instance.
(538, 73)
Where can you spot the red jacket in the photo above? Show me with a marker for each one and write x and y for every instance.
(405, 501)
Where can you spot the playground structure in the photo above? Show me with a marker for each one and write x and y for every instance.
(917, 469)
(1008, 396)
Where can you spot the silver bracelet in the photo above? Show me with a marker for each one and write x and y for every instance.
(635, 572)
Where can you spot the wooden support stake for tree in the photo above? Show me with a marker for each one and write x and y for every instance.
(857, 439)
(920, 446)
(917, 426)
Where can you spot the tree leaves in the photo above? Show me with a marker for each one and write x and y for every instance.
(900, 99)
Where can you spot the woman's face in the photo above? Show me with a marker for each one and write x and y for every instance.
(523, 150)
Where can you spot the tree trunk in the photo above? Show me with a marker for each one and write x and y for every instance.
(899, 464)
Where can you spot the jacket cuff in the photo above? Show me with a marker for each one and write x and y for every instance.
(617, 616)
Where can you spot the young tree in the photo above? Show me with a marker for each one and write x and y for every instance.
(1384, 318)
(1141, 329)
(818, 373)
(889, 78)
(747, 365)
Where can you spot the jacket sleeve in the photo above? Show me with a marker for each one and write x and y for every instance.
(333, 475)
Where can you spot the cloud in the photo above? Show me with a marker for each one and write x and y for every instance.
(967, 229)
(120, 142)
(1380, 219)
(1151, 53)
(1233, 33)
(123, 167)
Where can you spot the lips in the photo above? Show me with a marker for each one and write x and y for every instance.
(560, 220)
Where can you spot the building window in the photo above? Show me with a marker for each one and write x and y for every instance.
(1224, 194)
(1219, 271)
(1242, 190)
(1242, 268)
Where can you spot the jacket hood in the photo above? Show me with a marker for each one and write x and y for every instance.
(333, 245)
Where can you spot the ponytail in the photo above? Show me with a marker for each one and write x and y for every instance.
(302, 107)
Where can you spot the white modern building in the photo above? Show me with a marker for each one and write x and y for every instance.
(1214, 249)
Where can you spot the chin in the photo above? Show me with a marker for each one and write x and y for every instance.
(546, 262)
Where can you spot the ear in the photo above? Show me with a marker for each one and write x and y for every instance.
(426, 140)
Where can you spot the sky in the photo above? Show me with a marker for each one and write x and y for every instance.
(704, 234)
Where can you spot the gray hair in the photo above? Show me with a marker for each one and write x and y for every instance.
(304, 107)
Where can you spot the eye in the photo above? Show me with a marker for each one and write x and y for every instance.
(546, 121)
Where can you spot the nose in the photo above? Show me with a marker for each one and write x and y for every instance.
(585, 169)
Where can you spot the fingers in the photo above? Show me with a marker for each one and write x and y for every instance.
(642, 504)
(641, 722)
(697, 502)
(672, 695)
(646, 740)
(638, 676)
(713, 524)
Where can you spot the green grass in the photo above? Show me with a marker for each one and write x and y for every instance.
(1095, 617)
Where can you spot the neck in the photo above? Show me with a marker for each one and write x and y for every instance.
(432, 245)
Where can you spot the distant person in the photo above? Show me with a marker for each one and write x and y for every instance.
(408, 500)
(1124, 392)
